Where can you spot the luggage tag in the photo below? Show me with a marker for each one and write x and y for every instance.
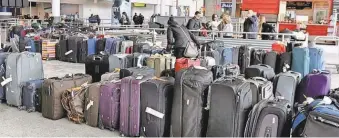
(68, 52)
(28, 47)
(85, 84)
(154, 112)
(89, 104)
(139, 77)
(6, 81)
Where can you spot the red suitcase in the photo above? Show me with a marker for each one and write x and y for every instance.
(183, 63)
(129, 50)
(279, 47)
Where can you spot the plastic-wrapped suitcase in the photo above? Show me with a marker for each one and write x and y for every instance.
(82, 51)
(125, 45)
(31, 96)
(261, 89)
(97, 65)
(136, 71)
(316, 59)
(184, 63)
(156, 96)
(301, 60)
(20, 68)
(244, 58)
(284, 62)
(258, 56)
(91, 46)
(130, 104)
(120, 61)
(91, 112)
(260, 70)
(52, 90)
(290, 79)
(234, 96)
(269, 118)
(109, 105)
(189, 114)
(3, 57)
(100, 46)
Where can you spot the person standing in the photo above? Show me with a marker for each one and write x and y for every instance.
(265, 28)
(141, 19)
(251, 25)
(195, 23)
(214, 23)
(135, 19)
(226, 26)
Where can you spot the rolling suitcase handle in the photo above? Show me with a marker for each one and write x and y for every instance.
(258, 79)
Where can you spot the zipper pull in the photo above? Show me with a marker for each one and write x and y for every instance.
(238, 97)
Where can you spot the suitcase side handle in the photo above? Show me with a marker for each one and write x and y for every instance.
(258, 79)
(264, 65)
(97, 58)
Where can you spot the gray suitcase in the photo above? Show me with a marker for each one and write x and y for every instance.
(290, 79)
(261, 89)
(189, 114)
(110, 76)
(235, 55)
(20, 68)
(244, 59)
(3, 57)
(120, 61)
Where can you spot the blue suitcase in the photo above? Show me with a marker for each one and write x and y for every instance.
(227, 55)
(301, 60)
(109, 45)
(91, 43)
(316, 59)
(31, 96)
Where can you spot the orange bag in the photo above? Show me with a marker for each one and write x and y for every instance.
(279, 47)
(184, 63)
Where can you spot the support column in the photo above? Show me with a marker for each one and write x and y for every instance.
(162, 8)
(174, 11)
(157, 9)
(56, 10)
(234, 7)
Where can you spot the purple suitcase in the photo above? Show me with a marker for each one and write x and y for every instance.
(317, 83)
(130, 105)
(109, 105)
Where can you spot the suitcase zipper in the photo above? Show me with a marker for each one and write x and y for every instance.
(235, 130)
(322, 120)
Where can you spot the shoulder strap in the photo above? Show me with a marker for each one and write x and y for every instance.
(184, 33)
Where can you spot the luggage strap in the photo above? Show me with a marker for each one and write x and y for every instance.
(69, 100)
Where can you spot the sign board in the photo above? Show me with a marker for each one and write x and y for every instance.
(226, 5)
(299, 5)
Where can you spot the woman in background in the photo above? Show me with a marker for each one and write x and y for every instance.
(226, 26)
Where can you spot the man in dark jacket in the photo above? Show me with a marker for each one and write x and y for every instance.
(179, 36)
(251, 25)
(195, 23)
(135, 19)
(141, 19)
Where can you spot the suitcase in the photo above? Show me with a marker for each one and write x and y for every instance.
(129, 50)
(73, 49)
(158, 62)
(91, 46)
(25, 3)
(284, 62)
(109, 105)
(120, 61)
(139, 47)
(82, 51)
(3, 57)
(156, 115)
(189, 116)
(235, 55)
(244, 58)
(4, 3)
(135, 71)
(214, 54)
(258, 57)
(97, 65)
(260, 70)
(269, 118)
(18, 3)
(261, 89)
(227, 55)
(52, 90)
(20, 68)
(207, 62)
(91, 112)
(130, 105)
(140, 59)
(301, 60)
(290, 79)
(316, 59)
(315, 84)
(38, 46)
(127, 44)
(279, 47)
(111, 76)
(11, 3)
(184, 63)
(63, 44)
(109, 46)
(234, 97)
(170, 62)
(100, 46)
(31, 96)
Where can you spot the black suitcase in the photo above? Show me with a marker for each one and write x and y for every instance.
(31, 96)
(269, 118)
(260, 70)
(96, 65)
(72, 49)
(214, 54)
(100, 46)
(156, 96)
(135, 71)
(258, 56)
(4, 3)
(230, 101)
(189, 115)
(228, 70)
(261, 89)
(63, 44)
(57, 51)
(271, 59)
(82, 51)
(139, 47)
(38, 46)
(244, 57)
(284, 62)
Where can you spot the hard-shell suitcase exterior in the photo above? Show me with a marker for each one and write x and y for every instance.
(260, 70)
(227, 55)
(21, 67)
(109, 105)
(125, 45)
(96, 65)
(82, 51)
(317, 83)
(135, 71)
(92, 98)
(301, 60)
(156, 106)
(111, 76)
(120, 61)
(100, 46)
(91, 46)
(235, 55)
(109, 45)
(290, 79)
(316, 59)
(258, 56)
(184, 63)
(271, 59)
(284, 62)
(52, 90)
(261, 89)
(130, 105)
(234, 97)
(244, 58)
(189, 114)
(31, 96)
(3, 57)
(269, 118)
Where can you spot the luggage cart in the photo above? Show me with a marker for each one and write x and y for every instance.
(329, 50)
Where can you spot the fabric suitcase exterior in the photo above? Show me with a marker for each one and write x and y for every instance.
(82, 51)
(109, 45)
(110, 76)
(140, 59)
(139, 47)
(52, 90)
(214, 54)
(157, 62)
(91, 112)
(31, 95)
(91, 46)
(313, 85)
(258, 57)
(291, 79)
(120, 61)
(269, 118)
(21, 67)
(260, 70)
(38, 46)
(11, 3)
(100, 45)
(184, 63)
(227, 55)
(135, 71)
(316, 59)
(190, 101)
(125, 45)
(63, 49)
(235, 55)
(109, 105)
(96, 65)
(234, 96)
(284, 62)
(301, 60)
(261, 89)
(244, 58)
(130, 105)
(73, 49)
(157, 95)
(3, 57)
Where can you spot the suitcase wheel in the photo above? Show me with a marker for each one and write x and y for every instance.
(30, 110)
(100, 125)
(21, 108)
(111, 129)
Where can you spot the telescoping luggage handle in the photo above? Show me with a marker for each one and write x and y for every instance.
(315, 71)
